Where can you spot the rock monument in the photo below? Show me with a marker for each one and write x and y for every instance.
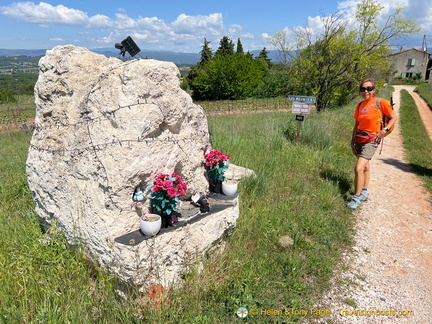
(103, 127)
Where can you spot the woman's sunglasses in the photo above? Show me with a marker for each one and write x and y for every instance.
(369, 89)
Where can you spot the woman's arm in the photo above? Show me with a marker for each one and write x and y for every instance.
(392, 121)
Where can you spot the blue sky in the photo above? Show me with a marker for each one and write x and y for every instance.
(177, 25)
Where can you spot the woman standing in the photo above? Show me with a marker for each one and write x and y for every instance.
(367, 134)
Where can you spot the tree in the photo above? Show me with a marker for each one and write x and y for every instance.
(206, 53)
(283, 47)
(206, 56)
(331, 66)
(226, 47)
(228, 77)
(248, 54)
(239, 47)
(276, 83)
(264, 55)
(6, 95)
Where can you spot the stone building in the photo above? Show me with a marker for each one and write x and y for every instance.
(412, 63)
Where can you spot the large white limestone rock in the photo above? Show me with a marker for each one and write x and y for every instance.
(103, 127)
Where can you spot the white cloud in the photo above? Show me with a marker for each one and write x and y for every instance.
(419, 11)
(100, 21)
(152, 24)
(189, 30)
(44, 13)
(198, 25)
(247, 35)
(106, 40)
(140, 36)
(123, 21)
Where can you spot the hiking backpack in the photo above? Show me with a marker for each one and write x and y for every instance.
(385, 118)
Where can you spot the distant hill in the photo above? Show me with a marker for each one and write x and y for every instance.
(22, 52)
(169, 56)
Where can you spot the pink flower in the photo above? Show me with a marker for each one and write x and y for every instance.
(172, 192)
(167, 184)
(176, 176)
(155, 189)
(158, 182)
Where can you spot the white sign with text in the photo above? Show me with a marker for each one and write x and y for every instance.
(300, 108)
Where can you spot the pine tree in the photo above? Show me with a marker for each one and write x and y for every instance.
(239, 47)
(206, 53)
(264, 55)
(226, 47)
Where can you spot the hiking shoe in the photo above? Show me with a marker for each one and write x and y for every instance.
(364, 195)
(354, 203)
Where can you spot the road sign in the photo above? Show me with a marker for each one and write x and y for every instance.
(305, 99)
(299, 117)
(300, 108)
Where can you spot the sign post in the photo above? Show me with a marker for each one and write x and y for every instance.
(300, 106)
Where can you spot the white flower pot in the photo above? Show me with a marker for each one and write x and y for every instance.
(151, 226)
(229, 187)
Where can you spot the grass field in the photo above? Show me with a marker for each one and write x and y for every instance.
(425, 91)
(417, 143)
(292, 228)
(252, 104)
(19, 111)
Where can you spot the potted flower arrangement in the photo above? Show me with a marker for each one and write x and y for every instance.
(216, 164)
(165, 190)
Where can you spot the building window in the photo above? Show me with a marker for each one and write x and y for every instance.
(407, 75)
(411, 62)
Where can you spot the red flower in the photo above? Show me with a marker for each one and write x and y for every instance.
(158, 182)
(167, 184)
(172, 192)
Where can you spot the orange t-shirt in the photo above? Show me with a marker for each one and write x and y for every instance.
(368, 116)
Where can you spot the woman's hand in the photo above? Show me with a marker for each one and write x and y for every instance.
(379, 136)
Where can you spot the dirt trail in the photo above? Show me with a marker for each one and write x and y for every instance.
(392, 257)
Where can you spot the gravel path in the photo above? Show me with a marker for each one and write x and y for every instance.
(391, 262)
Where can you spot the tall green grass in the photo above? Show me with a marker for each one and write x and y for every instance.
(425, 91)
(292, 227)
(246, 105)
(41, 279)
(20, 110)
(417, 144)
(297, 197)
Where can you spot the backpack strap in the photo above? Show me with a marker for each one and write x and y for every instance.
(378, 100)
